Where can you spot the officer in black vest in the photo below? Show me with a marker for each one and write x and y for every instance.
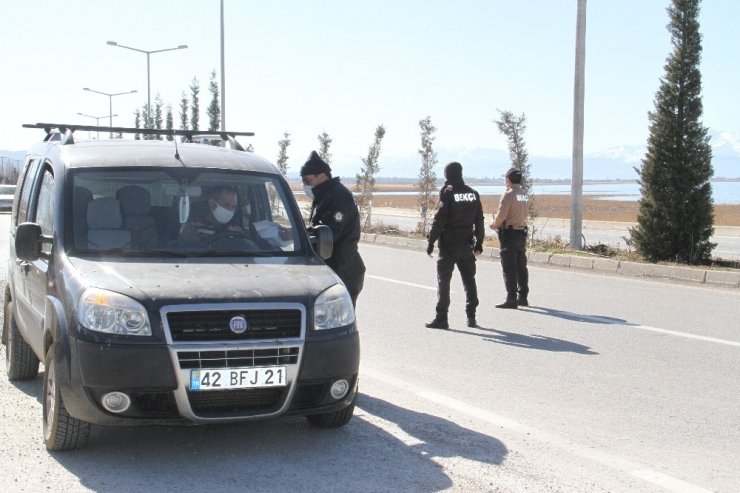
(334, 206)
(459, 227)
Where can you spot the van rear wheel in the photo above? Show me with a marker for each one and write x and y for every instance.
(61, 431)
(20, 361)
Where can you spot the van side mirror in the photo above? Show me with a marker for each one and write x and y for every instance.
(322, 240)
(28, 240)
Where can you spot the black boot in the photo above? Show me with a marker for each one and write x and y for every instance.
(522, 301)
(508, 304)
(472, 322)
(437, 323)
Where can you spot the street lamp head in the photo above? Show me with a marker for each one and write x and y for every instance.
(182, 47)
(112, 43)
(85, 88)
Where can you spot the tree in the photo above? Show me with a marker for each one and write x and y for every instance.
(365, 180)
(427, 183)
(158, 116)
(513, 128)
(147, 119)
(282, 160)
(184, 104)
(214, 108)
(194, 104)
(249, 148)
(675, 220)
(324, 143)
(169, 121)
(137, 123)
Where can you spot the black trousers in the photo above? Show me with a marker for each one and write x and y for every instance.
(514, 263)
(464, 258)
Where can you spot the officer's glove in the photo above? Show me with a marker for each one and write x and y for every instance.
(430, 248)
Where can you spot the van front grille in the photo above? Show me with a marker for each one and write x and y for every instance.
(238, 358)
(214, 325)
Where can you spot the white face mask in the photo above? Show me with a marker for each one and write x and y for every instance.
(308, 191)
(222, 215)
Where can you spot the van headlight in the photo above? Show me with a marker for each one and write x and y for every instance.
(333, 308)
(112, 313)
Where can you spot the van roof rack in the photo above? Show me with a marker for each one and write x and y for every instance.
(53, 131)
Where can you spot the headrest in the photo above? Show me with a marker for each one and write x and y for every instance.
(135, 200)
(104, 213)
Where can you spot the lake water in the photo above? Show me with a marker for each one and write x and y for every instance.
(723, 192)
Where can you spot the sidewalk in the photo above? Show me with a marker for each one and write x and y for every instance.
(598, 265)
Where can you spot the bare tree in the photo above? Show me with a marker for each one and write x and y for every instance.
(365, 183)
(427, 183)
(324, 144)
(282, 159)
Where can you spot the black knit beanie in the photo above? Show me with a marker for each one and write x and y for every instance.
(514, 175)
(453, 170)
(315, 165)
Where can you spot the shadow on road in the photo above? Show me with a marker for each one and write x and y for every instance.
(576, 317)
(285, 454)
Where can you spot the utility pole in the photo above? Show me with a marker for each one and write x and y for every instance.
(576, 185)
(223, 73)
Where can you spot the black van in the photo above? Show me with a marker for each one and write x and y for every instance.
(167, 282)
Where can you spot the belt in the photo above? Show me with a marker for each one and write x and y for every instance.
(516, 229)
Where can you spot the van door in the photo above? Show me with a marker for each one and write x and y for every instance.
(20, 267)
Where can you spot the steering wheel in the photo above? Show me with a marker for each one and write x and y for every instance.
(242, 236)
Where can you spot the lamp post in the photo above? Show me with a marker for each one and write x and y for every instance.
(97, 121)
(110, 103)
(148, 79)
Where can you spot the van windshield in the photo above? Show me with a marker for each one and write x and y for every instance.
(183, 213)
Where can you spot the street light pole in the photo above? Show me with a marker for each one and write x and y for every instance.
(148, 79)
(110, 103)
(97, 121)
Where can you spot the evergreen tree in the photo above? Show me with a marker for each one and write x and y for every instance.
(365, 180)
(137, 123)
(282, 159)
(427, 183)
(147, 119)
(194, 104)
(158, 116)
(513, 128)
(184, 105)
(214, 108)
(169, 121)
(324, 143)
(676, 215)
(249, 148)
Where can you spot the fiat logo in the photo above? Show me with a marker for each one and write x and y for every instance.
(238, 325)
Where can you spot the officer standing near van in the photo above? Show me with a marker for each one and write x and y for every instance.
(459, 227)
(511, 224)
(334, 205)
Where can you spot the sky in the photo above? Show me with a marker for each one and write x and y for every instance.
(345, 67)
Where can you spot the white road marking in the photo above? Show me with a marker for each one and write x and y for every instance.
(432, 288)
(604, 458)
(603, 320)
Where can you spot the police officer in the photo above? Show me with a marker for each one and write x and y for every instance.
(511, 224)
(459, 227)
(334, 206)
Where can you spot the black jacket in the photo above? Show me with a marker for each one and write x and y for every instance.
(459, 217)
(334, 206)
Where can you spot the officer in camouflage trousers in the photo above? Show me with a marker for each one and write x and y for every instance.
(511, 224)
(459, 227)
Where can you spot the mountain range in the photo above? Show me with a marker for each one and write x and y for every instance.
(617, 163)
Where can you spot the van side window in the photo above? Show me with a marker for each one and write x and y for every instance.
(26, 189)
(45, 208)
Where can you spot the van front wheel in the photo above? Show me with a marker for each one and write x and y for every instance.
(61, 431)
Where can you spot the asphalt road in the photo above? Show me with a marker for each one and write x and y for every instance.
(604, 384)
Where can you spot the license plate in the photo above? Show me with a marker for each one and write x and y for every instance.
(238, 378)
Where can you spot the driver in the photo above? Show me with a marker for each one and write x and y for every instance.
(219, 217)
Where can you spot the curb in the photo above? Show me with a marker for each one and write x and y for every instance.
(689, 275)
